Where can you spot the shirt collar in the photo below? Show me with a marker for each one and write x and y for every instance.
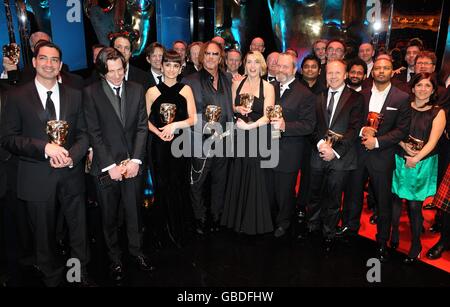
(43, 89)
(338, 90)
(112, 86)
(384, 92)
(286, 85)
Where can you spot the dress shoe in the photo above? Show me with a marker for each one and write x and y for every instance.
(382, 253)
(373, 219)
(116, 272)
(215, 225)
(435, 228)
(279, 232)
(429, 206)
(345, 231)
(200, 227)
(143, 263)
(411, 260)
(436, 251)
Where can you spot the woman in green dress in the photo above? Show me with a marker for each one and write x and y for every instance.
(415, 175)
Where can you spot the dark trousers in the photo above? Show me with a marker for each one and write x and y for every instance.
(216, 167)
(415, 220)
(325, 201)
(381, 182)
(445, 231)
(281, 191)
(305, 177)
(114, 197)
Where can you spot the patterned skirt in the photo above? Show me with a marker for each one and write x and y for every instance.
(442, 197)
(415, 183)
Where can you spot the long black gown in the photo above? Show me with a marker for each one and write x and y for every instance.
(170, 173)
(247, 207)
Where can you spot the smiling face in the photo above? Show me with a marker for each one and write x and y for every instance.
(233, 61)
(252, 66)
(366, 52)
(310, 70)
(47, 64)
(336, 74)
(116, 72)
(212, 58)
(171, 70)
(286, 68)
(123, 45)
(356, 75)
(423, 89)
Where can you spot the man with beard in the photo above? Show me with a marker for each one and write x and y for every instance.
(357, 72)
(376, 152)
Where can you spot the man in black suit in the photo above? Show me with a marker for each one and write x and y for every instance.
(297, 123)
(49, 173)
(132, 73)
(154, 54)
(338, 110)
(413, 48)
(116, 118)
(211, 86)
(376, 152)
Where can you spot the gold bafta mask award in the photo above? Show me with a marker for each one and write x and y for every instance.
(57, 131)
(12, 51)
(247, 100)
(416, 144)
(275, 111)
(167, 112)
(374, 120)
(213, 113)
(332, 137)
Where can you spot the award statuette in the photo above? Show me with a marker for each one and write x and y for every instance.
(12, 51)
(416, 144)
(246, 100)
(57, 131)
(332, 137)
(374, 120)
(275, 111)
(212, 114)
(167, 112)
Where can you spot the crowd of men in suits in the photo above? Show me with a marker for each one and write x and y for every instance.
(42, 182)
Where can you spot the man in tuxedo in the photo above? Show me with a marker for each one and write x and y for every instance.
(49, 173)
(116, 118)
(132, 73)
(376, 152)
(154, 54)
(338, 110)
(211, 86)
(296, 125)
(413, 48)
(272, 67)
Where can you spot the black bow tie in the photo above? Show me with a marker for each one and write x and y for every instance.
(270, 78)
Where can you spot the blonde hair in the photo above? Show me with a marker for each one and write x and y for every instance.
(260, 59)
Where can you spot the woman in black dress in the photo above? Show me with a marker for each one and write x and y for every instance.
(247, 206)
(170, 171)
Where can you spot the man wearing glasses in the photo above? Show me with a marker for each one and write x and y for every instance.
(211, 86)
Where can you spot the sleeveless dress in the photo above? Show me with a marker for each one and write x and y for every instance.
(247, 207)
(416, 184)
(170, 173)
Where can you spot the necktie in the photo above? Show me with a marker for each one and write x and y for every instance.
(50, 107)
(411, 75)
(117, 89)
(159, 79)
(330, 107)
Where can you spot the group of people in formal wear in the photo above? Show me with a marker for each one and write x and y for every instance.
(343, 124)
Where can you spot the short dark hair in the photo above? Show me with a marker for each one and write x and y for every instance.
(113, 40)
(338, 41)
(180, 41)
(151, 48)
(425, 75)
(311, 57)
(171, 56)
(358, 62)
(43, 43)
(415, 42)
(427, 54)
(105, 55)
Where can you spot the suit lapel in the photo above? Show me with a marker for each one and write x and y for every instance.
(63, 103)
(341, 103)
(323, 103)
(126, 101)
(103, 86)
(37, 104)
(387, 102)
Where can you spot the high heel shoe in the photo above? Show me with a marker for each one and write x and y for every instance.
(411, 260)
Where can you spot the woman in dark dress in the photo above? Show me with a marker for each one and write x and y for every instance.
(170, 172)
(247, 206)
(415, 174)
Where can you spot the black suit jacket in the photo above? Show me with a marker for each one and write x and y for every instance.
(24, 134)
(111, 141)
(298, 112)
(347, 120)
(4, 155)
(139, 76)
(393, 129)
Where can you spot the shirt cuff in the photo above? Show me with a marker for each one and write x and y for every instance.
(320, 143)
(360, 131)
(377, 145)
(336, 154)
(109, 167)
(137, 161)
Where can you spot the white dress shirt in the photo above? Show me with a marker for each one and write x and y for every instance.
(156, 75)
(42, 91)
(284, 87)
(369, 69)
